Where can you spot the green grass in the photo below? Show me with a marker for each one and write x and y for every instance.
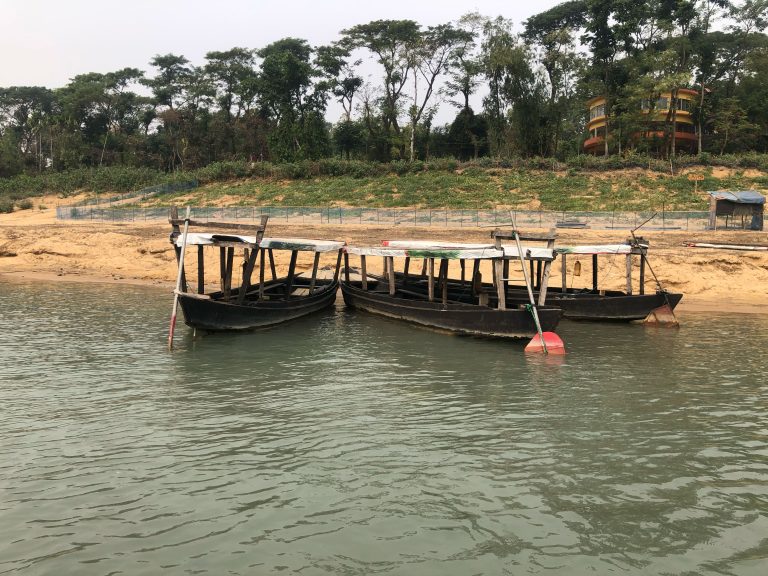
(474, 188)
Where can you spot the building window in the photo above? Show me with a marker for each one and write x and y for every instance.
(684, 105)
(597, 111)
(662, 103)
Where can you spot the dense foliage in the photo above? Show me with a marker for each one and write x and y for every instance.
(268, 105)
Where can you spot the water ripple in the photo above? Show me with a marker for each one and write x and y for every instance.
(348, 444)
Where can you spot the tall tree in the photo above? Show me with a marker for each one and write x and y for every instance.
(394, 44)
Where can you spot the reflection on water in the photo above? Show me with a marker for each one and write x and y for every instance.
(350, 444)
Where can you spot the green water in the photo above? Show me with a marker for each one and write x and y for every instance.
(347, 444)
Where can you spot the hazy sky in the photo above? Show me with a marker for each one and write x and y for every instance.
(47, 42)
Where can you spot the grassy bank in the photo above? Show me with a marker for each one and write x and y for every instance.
(479, 188)
(582, 183)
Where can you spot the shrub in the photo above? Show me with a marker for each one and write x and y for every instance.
(6, 205)
(25, 204)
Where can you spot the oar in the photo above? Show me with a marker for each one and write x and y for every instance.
(530, 291)
(550, 343)
(178, 281)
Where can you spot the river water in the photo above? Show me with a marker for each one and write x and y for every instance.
(348, 444)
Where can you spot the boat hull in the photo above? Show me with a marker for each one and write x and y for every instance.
(612, 308)
(455, 317)
(215, 315)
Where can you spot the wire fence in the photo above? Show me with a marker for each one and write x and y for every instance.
(405, 217)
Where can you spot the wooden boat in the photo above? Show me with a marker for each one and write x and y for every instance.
(269, 301)
(588, 303)
(610, 305)
(402, 295)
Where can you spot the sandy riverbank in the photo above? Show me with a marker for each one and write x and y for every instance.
(35, 246)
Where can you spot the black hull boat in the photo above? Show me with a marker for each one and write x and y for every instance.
(611, 306)
(427, 299)
(211, 313)
(455, 317)
(608, 306)
(239, 303)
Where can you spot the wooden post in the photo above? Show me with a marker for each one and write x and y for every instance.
(544, 284)
(498, 271)
(222, 267)
(272, 264)
(629, 274)
(712, 213)
(594, 272)
(262, 262)
(463, 265)
(314, 272)
(228, 272)
(642, 273)
(532, 275)
(346, 267)
(475, 275)
(338, 267)
(564, 274)
(424, 268)
(249, 265)
(391, 273)
(505, 275)
(200, 270)
(431, 280)
(363, 273)
(538, 274)
(405, 270)
(291, 273)
(444, 279)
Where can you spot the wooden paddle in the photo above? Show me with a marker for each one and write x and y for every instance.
(178, 281)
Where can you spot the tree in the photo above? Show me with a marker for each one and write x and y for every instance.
(393, 43)
(434, 54)
(292, 100)
(233, 76)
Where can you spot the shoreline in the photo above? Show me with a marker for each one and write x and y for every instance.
(37, 248)
(689, 304)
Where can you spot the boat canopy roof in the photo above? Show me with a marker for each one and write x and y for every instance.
(742, 197)
(303, 244)
(601, 249)
(448, 250)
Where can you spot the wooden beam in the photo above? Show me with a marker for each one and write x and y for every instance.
(250, 263)
(363, 273)
(629, 274)
(544, 285)
(391, 275)
(262, 262)
(338, 267)
(406, 266)
(594, 272)
(346, 267)
(431, 280)
(222, 267)
(498, 271)
(272, 264)
(291, 273)
(200, 270)
(564, 273)
(314, 272)
(228, 273)
(642, 273)
(444, 280)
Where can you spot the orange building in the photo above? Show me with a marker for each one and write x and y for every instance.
(685, 132)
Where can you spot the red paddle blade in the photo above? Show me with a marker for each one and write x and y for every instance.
(554, 344)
